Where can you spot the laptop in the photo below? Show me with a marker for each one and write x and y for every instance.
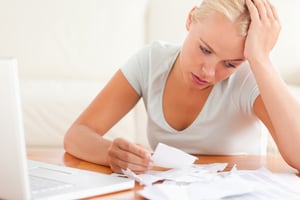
(27, 179)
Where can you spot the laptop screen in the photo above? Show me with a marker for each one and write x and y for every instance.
(13, 168)
(15, 171)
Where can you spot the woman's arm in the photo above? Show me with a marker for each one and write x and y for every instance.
(84, 138)
(281, 114)
(276, 106)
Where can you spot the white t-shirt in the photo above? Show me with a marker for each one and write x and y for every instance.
(226, 124)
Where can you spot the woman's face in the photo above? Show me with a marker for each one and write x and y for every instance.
(212, 51)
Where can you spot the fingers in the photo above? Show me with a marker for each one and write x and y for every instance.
(264, 15)
(268, 10)
(262, 10)
(253, 11)
(274, 12)
(123, 154)
(132, 148)
(263, 30)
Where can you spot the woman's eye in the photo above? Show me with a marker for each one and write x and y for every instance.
(229, 65)
(204, 50)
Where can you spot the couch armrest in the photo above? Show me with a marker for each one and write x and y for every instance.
(50, 106)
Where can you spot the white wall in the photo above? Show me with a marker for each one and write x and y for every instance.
(67, 39)
(67, 50)
(286, 54)
(168, 17)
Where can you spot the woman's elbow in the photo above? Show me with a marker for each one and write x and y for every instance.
(68, 141)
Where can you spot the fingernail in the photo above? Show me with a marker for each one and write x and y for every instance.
(148, 156)
(150, 165)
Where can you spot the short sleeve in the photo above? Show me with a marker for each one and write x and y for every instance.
(245, 89)
(135, 70)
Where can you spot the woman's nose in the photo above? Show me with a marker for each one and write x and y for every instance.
(208, 71)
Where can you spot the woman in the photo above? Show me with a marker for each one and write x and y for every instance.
(207, 96)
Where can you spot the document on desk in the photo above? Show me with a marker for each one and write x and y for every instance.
(163, 156)
(181, 170)
(184, 175)
(209, 181)
(238, 184)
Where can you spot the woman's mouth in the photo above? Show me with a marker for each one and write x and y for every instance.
(198, 80)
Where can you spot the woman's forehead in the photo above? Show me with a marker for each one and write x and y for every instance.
(220, 34)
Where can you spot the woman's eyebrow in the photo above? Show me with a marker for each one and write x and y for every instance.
(211, 49)
(238, 60)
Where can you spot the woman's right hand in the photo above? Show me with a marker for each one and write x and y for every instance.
(123, 154)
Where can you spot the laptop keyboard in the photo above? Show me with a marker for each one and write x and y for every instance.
(39, 184)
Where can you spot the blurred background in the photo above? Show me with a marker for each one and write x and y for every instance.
(68, 49)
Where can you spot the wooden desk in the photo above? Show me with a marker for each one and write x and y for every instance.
(58, 156)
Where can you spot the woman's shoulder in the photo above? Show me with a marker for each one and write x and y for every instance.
(242, 73)
(164, 45)
(158, 49)
(162, 53)
(239, 82)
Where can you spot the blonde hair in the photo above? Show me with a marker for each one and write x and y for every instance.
(235, 10)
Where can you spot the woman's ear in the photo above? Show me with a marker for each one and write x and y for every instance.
(189, 19)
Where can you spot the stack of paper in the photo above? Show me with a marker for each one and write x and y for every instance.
(188, 181)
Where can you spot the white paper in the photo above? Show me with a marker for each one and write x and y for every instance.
(182, 168)
(238, 184)
(189, 174)
(142, 179)
(193, 173)
(164, 192)
(170, 157)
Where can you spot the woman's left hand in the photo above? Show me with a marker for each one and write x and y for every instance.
(263, 30)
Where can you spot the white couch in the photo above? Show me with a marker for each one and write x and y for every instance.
(67, 50)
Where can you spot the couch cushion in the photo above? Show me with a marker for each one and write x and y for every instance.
(50, 107)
